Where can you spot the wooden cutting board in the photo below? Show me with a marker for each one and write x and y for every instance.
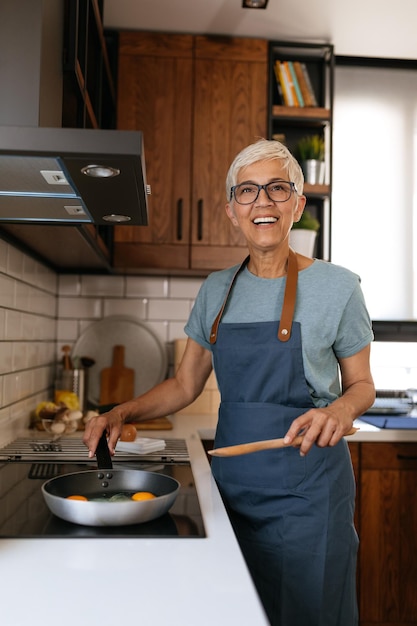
(117, 383)
(162, 423)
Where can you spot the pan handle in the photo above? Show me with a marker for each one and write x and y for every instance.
(102, 453)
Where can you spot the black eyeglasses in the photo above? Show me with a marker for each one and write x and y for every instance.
(277, 191)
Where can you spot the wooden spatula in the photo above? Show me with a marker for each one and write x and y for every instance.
(117, 383)
(256, 446)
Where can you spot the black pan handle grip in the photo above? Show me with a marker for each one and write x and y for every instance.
(102, 453)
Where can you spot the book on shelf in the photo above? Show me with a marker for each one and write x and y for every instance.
(297, 86)
(280, 85)
(289, 81)
(309, 85)
(294, 84)
(280, 137)
(305, 91)
(283, 88)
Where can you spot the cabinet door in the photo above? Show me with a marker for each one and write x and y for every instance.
(388, 534)
(155, 96)
(230, 112)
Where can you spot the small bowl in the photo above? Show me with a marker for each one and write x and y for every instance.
(60, 428)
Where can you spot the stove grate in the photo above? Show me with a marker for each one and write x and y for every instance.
(39, 448)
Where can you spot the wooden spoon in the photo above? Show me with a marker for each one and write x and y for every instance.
(256, 446)
(66, 359)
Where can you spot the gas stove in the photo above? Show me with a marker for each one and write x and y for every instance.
(27, 463)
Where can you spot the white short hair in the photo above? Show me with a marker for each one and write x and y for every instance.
(265, 150)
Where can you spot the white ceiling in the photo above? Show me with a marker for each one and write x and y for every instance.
(375, 28)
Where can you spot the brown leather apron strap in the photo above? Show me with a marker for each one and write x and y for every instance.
(290, 296)
(215, 327)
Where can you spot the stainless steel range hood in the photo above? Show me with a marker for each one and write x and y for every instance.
(72, 176)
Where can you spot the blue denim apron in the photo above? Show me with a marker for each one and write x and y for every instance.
(292, 515)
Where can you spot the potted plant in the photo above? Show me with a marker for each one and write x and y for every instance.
(311, 157)
(304, 233)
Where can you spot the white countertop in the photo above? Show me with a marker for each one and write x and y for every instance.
(369, 433)
(154, 582)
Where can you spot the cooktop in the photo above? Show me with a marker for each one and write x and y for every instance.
(24, 513)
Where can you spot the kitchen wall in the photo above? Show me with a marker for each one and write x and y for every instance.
(162, 303)
(28, 307)
(40, 311)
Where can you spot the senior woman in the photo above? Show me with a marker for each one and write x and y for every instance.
(289, 339)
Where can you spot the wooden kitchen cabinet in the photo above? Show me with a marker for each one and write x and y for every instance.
(387, 508)
(198, 101)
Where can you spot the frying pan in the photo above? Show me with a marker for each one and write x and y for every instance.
(106, 481)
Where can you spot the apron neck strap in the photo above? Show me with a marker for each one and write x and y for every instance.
(215, 327)
(287, 314)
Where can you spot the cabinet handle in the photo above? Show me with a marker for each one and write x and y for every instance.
(406, 457)
(179, 219)
(200, 220)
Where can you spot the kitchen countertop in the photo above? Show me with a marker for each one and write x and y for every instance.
(152, 581)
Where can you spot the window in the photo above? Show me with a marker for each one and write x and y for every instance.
(374, 214)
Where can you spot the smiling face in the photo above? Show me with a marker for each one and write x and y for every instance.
(264, 223)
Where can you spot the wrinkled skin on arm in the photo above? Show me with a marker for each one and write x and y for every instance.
(168, 397)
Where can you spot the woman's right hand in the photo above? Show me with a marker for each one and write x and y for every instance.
(111, 423)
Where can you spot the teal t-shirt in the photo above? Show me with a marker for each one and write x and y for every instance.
(330, 308)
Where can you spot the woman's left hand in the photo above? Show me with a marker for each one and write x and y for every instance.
(327, 425)
(322, 426)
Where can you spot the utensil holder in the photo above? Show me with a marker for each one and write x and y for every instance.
(75, 381)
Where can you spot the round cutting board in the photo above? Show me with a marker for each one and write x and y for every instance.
(144, 352)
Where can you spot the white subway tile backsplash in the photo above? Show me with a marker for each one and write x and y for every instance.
(40, 311)
(46, 279)
(159, 329)
(41, 353)
(67, 330)
(13, 325)
(42, 302)
(90, 308)
(29, 271)
(102, 286)
(146, 287)
(15, 262)
(22, 296)
(129, 307)
(6, 357)
(36, 328)
(176, 331)
(2, 324)
(3, 255)
(168, 309)
(184, 287)
(19, 355)
(69, 285)
(13, 388)
(7, 291)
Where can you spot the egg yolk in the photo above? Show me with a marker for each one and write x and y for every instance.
(77, 498)
(143, 495)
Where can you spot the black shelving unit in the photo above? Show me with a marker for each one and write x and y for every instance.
(290, 123)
